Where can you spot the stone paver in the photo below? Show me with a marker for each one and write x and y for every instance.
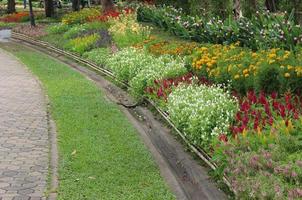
(24, 142)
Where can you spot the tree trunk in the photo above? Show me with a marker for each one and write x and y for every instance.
(11, 6)
(298, 11)
(75, 5)
(270, 5)
(249, 8)
(31, 14)
(237, 9)
(107, 5)
(49, 9)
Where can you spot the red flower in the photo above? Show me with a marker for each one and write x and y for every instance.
(252, 97)
(223, 138)
(262, 99)
(245, 106)
(274, 95)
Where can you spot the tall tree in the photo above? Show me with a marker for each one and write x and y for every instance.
(31, 14)
(221, 8)
(11, 6)
(297, 4)
(49, 9)
(75, 5)
(107, 5)
(237, 9)
(271, 5)
(249, 7)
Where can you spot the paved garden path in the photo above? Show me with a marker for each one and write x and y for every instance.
(24, 142)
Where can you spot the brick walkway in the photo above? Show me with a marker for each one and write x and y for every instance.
(24, 143)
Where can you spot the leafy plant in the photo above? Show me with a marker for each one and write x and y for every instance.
(82, 29)
(58, 28)
(99, 56)
(81, 16)
(82, 44)
(126, 31)
(202, 112)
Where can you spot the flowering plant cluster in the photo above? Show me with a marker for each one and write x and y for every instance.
(273, 70)
(84, 29)
(160, 47)
(163, 87)
(111, 14)
(202, 112)
(261, 112)
(251, 130)
(126, 31)
(81, 16)
(261, 168)
(58, 28)
(16, 17)
(82, 44)
(98, 56)
(140, 69)
(262, 31)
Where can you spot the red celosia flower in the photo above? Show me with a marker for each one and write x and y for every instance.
(245, 106)
(223, 138)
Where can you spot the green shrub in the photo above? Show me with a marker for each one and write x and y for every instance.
(126, 31)
(82, 44)
(98, 56)
(202, 112)
(78, 30)
(58, 28)
(140, 69)
(81, 16)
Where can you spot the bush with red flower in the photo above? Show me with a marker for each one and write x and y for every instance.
(110, 14)
(16, 17)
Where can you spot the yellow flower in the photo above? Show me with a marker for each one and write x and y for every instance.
(259, 131)
(244, 133)
(272, 55)
(287, 75)
(237, 76)
(289, 67)
(246, 75)
(254, 55)
(209, 64)
(290, 126)
(246, 71)
(271, 61)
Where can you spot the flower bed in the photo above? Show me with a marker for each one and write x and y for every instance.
(16, 17)
(273, 70)
(263, 31)
(242, 106)
(81, 16)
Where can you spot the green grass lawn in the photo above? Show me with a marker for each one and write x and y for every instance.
(101, 155)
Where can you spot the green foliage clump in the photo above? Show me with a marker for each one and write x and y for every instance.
(126, 31)
(202, 112)
(140, 69)
(98, 56)
(58, 28)
(81, 16)
(82, 44)
(79, 29)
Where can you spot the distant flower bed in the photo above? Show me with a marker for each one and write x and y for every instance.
(16, 17)
(80, 17)
(273, 70)
(264, 30)
(110, 14)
